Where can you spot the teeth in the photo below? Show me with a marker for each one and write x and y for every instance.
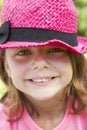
(40, 80)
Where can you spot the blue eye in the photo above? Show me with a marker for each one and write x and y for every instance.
(24, 52)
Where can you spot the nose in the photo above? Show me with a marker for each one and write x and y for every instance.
(40, 62)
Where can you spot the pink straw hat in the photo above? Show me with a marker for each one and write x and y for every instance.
(35, 23)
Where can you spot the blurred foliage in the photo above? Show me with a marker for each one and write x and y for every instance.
(0, 3)
(81, 6)
(3, 89)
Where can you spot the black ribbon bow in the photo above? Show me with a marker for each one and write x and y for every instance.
(4, 32)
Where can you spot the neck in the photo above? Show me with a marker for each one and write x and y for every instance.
(51, 111)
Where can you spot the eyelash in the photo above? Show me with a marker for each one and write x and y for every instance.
(24, 52)
(55, 50)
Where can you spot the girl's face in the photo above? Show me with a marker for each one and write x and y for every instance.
(39, 72)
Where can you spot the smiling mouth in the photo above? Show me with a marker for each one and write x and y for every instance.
(42, 80)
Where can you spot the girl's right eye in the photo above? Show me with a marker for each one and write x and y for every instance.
(24, 52)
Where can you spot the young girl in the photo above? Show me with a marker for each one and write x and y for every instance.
(43, 66)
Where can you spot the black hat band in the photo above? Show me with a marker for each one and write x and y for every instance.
(23, 34)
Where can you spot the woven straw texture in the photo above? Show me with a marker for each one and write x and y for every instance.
(57, 15)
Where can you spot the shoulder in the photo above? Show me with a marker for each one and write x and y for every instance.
(75, 121)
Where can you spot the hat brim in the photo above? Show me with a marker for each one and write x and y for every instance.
(79, 49)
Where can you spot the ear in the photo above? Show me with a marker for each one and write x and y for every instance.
(7, 68)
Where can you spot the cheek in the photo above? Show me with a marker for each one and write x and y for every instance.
(17, 75)
(16, 70)
(62, 64)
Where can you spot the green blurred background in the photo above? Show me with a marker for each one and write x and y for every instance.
(81, 6)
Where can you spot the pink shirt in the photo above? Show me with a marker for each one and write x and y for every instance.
(69, 122)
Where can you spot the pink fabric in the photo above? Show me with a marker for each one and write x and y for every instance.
(59, 15)
(69, 122)
(77, 49)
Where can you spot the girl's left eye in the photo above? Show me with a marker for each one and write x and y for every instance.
(55, 50)
(24, 52)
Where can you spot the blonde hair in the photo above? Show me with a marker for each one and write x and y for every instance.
(76, 91)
